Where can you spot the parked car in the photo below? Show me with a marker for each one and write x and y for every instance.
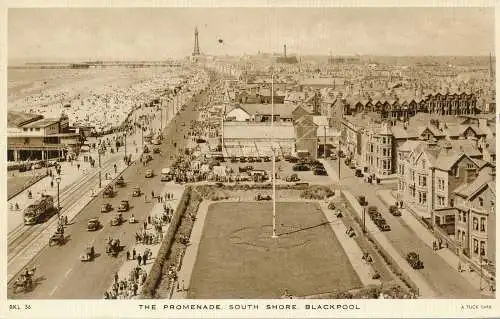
(293, 178)
(243, 160)
(372, 209)
(352, 165)
(233, 159)
(267, 159)
(394, 210)
(358, 173)
(414, 260)
(334, 156)
(106, 207)
(320, 171)
(260, 197)
(300, 167)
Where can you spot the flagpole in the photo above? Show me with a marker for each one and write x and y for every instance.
(274, 157)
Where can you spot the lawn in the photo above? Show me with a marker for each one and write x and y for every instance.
(237, 257)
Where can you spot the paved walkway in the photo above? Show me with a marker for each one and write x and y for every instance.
(428, 238)
(425, 291)
(157, 211)
(351, 248)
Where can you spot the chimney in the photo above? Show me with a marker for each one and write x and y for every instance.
(284, 50)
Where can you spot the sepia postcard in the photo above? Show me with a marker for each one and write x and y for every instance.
(264, 160)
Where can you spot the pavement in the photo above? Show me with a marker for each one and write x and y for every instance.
(428, 238)
(442, 279)
(59, 269)
(364, 270)
(157, 211)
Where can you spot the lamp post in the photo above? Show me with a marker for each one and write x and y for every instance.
(274, 158)
(58, 181)
(99, 156)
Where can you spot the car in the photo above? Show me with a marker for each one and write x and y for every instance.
(117, 220)
(245, 169)
(320, 171)
(292, 178)
(384, 227)
(262, 197)
(267, 159)
(300, 167)
(145, 149)
(292, 159)
(414, 260)
(233, 159)
(93, 224)
(156, 150)
(352, 165)
(358, 173)
(136, 192)
(394, 210)
(124, 206)
(243, 160)
(334, 157)
(251, 160)
(149, 173)
(106, 207)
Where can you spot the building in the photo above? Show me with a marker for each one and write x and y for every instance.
(429, 172)
(475, 217)
(260, 113)
(306, 134)
(33, 137)
(244, 139)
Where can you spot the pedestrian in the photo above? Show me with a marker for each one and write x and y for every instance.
(135, 289)
(159, 198)
(183, 287)
(149, 219)
(139, 259)
(78, 166)
(51, 184)
(116, 277)
(143, 279)
(145, 198)
(152, 194)
(128, 255)
(133, 253)
(145, 225)
(145, 258)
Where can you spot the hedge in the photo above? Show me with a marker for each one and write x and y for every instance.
(149, 287)
(395, 268)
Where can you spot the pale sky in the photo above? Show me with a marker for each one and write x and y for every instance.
(161, 33)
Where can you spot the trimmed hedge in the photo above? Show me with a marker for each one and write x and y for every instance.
(149, 287)
(395, 268)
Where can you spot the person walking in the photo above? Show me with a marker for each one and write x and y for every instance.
(128, 255)
(116, 277)
(51, 184)
(145, 258)
(133, 253)
(139, 259)
(152, 194)
(145, 225)
(149, 219)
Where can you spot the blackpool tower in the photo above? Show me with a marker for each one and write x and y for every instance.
(196, 50)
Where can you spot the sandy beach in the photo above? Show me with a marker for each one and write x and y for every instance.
(99, 97)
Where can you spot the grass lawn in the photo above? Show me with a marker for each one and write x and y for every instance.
(237, 257)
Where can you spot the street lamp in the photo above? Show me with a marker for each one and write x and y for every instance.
(58, 181)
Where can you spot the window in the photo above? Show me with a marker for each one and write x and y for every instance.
(25, 129)
(463, 238)
(476, 248)
(483, 250)
(37, 129)
(483, 224)
(440, 200)
(481, 202)
(423, 164)
(464, 216)
(384, 152)
(424, 181)
(475, 224)
(441, 184)
(422, 197)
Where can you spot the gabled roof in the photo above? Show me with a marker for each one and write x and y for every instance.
(446, 162)
(284, 110)
(434, 130)
(484, 179)
(409, 145)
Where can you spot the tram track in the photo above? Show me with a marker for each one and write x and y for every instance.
(20, 237)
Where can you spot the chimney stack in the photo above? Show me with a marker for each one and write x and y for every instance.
(284, 50)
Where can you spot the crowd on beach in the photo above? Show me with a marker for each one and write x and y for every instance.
(107, 106)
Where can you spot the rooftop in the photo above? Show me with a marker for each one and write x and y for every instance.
(17, 119)
(41, 123)
(249, 131)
